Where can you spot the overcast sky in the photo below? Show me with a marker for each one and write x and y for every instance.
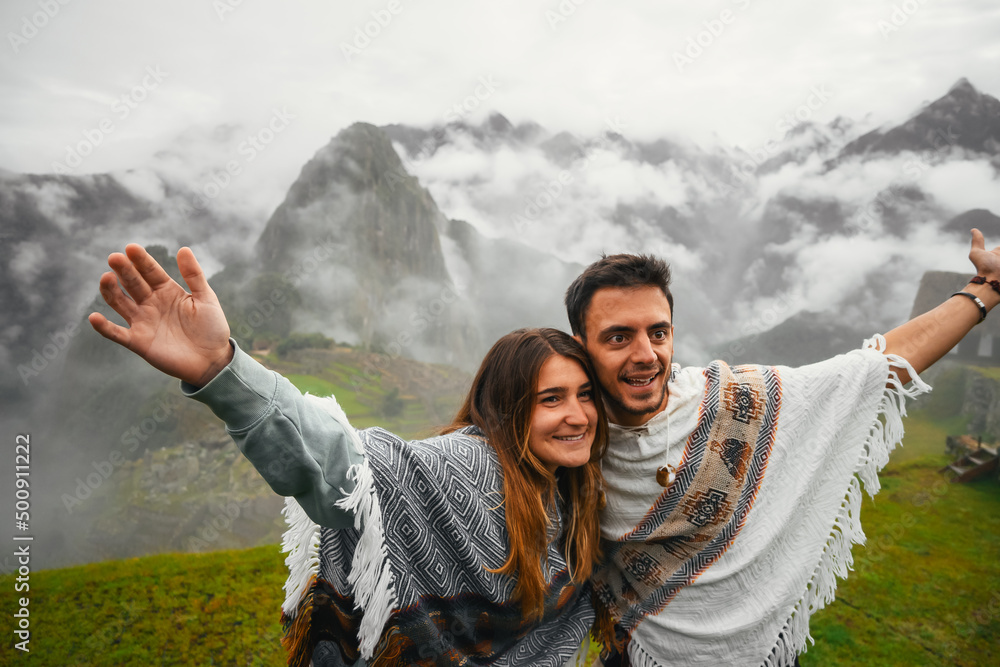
(191, 65)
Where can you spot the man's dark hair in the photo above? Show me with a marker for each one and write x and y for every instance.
(614, 271)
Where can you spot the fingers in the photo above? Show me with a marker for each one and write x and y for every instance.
(110, 330)
(131, 279)
(114, 297)
(978, 242)
(192, 273)
(148, 268)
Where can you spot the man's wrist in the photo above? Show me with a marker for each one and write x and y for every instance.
(986, 294)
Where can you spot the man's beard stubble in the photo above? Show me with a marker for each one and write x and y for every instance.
(619, 406)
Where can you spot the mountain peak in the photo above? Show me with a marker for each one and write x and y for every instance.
(357, 190)
(963, 117)
(498, 123)
(963, 86)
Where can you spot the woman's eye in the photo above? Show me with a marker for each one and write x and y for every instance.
(586, 395)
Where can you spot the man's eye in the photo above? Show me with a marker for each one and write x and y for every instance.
(617, 338)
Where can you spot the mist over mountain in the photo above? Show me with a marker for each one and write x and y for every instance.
(807, 222)
(429, 243)
(964, 118)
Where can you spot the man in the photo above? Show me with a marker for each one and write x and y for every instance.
(733, 493)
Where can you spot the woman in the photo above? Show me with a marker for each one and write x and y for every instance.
(470, 548)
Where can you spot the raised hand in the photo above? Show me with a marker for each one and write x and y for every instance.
(183, 335)
(987, 262)
(928, 337)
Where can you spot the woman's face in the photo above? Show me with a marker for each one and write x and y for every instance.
(564, 417)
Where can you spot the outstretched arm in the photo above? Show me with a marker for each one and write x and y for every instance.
(297, 446)
(184, 335)
(928, 337)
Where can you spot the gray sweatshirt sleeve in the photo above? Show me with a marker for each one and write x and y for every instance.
(298, 449)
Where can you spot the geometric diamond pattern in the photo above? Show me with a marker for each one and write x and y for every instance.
(444, 525)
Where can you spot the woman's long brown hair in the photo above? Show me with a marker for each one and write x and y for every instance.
(501, 403)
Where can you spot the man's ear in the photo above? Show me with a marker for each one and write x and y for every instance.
(578, 338)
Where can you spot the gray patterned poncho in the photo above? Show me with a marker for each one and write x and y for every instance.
(410, 583)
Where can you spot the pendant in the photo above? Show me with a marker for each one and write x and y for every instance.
(665, 475)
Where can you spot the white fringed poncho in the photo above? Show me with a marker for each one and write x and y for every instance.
(746, 599)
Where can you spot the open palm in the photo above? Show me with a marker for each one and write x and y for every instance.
(184, 335)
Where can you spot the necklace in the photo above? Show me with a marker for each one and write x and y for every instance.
(666, 473)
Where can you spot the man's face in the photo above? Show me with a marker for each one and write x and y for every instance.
(630, 340)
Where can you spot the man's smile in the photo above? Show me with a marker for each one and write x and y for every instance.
(641, 379)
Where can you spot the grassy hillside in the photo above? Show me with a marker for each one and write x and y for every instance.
(925, 591)
(926, 587)
(429, 394)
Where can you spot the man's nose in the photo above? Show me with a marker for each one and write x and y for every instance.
(642, 351)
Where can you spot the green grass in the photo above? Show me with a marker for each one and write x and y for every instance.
(360, 385)
(925, 436)
(220, 608)
(926, 587)
(346, 397)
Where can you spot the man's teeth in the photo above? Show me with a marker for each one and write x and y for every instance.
(637, 382)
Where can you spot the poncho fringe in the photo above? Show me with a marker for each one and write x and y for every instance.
(836, 561)
(370, 578)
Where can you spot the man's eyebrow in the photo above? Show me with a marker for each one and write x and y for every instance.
(621, 328)
(616, 328)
